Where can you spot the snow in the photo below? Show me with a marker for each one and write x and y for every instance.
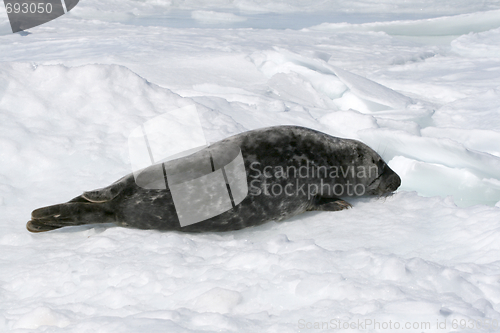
(415, 80)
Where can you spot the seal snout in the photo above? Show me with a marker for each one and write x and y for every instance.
(392, 182)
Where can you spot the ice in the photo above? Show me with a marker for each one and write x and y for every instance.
(436, 179)
(484, 44)
(211, 17)
(467, 112)
(441, 26)
(415, 80)
(347, 124)
(477, 139)
(371, 91)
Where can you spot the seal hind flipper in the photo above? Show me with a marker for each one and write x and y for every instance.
(329, 204)
(69, 214)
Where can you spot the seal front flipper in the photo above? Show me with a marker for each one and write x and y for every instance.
(329, 204)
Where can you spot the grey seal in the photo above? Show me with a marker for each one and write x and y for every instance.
(289, 170)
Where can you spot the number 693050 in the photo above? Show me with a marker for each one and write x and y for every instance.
(29, 8)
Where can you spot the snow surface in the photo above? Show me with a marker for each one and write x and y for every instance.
(416, 80)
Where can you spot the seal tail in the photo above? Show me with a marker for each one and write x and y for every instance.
(76, 212)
